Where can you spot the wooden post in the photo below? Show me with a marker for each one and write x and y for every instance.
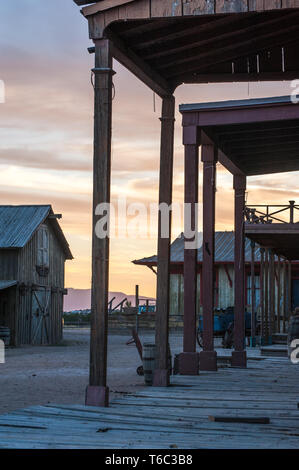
(137, 306)
(97, 393)
(285, 296)
(278, 295)
(289, 290)
(189, 358)
(262, 292)
(208, 357)
(267, 295)
(161, 374)
(272, 295)
(239, 354)
(253, 339)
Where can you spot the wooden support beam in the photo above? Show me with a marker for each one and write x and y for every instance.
(231, 51)
(272, 295)
(239, 354)
(262, 291)
(189, 359)
(161, 374)
(285, 296)
(278, 294)
(267, 295)
(209, 154)
(289, 290)
(138, 67)
(97, 393)
(253, 293)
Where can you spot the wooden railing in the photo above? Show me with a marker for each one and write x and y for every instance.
(268, 214)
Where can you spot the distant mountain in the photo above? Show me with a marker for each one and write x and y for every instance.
(80, 299)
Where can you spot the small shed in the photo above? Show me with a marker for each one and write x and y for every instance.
(33, 251)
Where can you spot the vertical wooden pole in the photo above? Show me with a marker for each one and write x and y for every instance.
(267, 295)
(137, 306)
(253, 340)
(272, 295)
(289, 290)
(161, 374)
(239, 354)
(278, 294)
(189, 358)
(208, 357)
(285, 296)
(97, 393)
(262, 292)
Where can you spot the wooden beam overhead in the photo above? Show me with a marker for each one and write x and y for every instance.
(231, 51)
(138, 67)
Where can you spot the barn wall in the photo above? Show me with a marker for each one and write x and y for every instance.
(8, 265)
(28, 258)
(27, 273)
(8, 312)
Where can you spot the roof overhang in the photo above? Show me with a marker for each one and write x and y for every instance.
(167, 43)
(7, 284)
(283, 239)
(253, 137)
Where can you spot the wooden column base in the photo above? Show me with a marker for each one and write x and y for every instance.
(161, 378)
(239, 359)
(189, 363)
(208, 360)
(97, 396)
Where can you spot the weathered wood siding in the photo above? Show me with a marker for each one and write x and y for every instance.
(225, 292)
(28, 260)
(8, 312)
(9, 265)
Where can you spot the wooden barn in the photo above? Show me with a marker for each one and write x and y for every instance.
(33, 251)
(224, 274)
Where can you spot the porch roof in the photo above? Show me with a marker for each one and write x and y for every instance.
(281, 238)
(254, 137)
(167, 43)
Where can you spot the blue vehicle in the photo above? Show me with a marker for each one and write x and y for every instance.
(223, 323)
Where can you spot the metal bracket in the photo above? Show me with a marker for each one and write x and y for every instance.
(103, 70)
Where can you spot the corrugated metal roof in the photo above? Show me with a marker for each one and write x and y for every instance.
(18, 224)
(224, 250)
(7, 284)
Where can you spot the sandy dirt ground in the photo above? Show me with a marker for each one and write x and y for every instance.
(38, 375)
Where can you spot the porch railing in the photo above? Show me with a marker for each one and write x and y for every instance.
(268, 214)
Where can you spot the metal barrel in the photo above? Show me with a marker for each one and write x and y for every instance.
(5, 335)
(149, 362)
(293, 332)
(148, 359)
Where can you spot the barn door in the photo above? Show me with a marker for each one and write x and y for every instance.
(40, 316)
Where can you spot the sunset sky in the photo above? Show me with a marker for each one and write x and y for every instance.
(46, 129)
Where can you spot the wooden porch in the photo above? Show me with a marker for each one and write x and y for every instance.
(176, 417)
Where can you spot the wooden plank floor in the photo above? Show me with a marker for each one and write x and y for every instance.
(176, 417)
